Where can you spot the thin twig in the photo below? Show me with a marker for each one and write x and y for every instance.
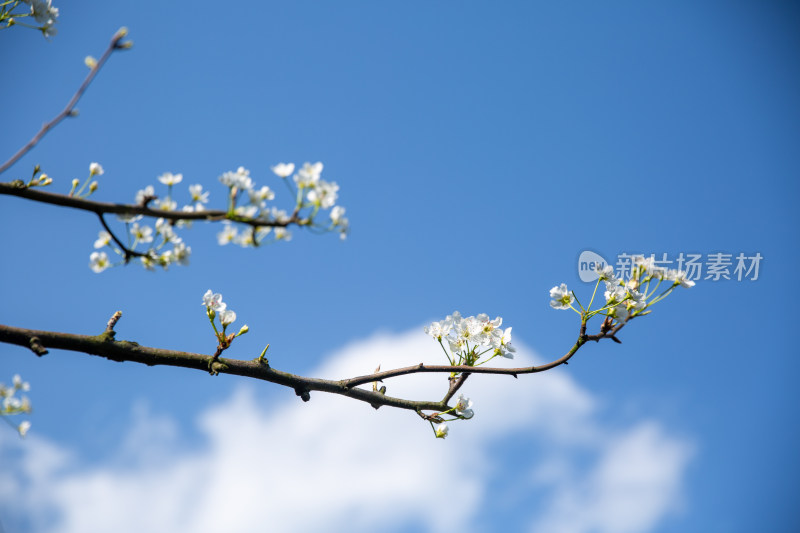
(115, 44)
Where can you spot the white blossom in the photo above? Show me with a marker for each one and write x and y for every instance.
(168, 178)
(213, 301)
(679, 278)
(103, 239)
(198, 195)
(259, 196)
(147, 192)
(98, 261)
(463, 407)
(95, 169)
(442, 430)
(562, 298)
(23, 428)
(337, 213)
(308, 175)
(323, 194)
(239, 179)
(142, 233)
(283, 170)
(437, 330)
(181, 253)
(283, 234)
(227, 317)
(227, 235)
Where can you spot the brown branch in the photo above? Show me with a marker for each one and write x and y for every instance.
(18, 188)
(105, 345)
(115, 44)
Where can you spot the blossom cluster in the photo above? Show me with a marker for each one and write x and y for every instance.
(247, 206)
(42, 12)
(312, 195)
(471, 338)
(465, 341)
(13, 404)
(214, 305)
(625, 298)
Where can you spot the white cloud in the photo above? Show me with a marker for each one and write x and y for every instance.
(332, 461)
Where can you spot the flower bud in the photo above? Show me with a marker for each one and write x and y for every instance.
(90, 62)
(244, 329)
(93, 186)
(75, 182)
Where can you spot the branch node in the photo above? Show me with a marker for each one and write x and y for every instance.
(113, 321)
(36, 346)
(216, 366)
(304, 394)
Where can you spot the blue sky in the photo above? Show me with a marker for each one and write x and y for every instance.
(479, 149)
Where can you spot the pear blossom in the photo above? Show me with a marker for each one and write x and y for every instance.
(198, 195)
(615, 293)
(678, 277)
(437, 330)
(637, 301)
(213, 301)
(170, 179)
(23, 428)
(227, 317)
(239, 179)
(561, 297)
(227, 235)
(279, 215)
(167, 204)
(103, 239)
(147, 192)
(503, 345)
(247, 211)
(308, 175)
(323, 194)
(142, 233)
(95, 169)
(165, 229)
(283, 234)
(98, 261)
(181, 253)
(283, 170)
(258, 197)
(442, 430)
(337, 214)
(43, 11)
(605, 272)
(463, 407)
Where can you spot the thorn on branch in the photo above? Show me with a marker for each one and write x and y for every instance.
(304, 394)
(615, 339)
(36, 346)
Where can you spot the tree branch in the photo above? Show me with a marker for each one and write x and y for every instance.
(19, 189)
(115, 44)
(105, 345)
